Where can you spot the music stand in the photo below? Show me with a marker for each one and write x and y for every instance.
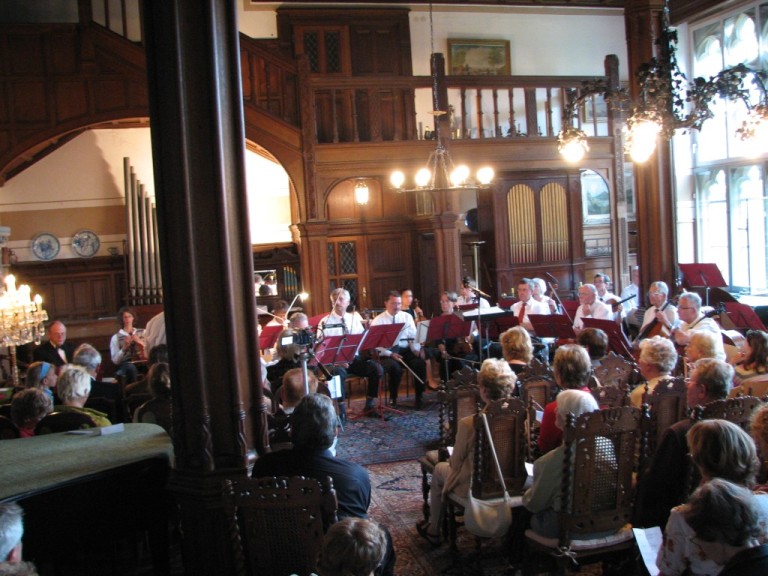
(380, 336)
(743, 316)
(617, 340)
(500, 324)
(315, 320)
(268, 337)
(552, 326)
(448, 326)
(707, 273)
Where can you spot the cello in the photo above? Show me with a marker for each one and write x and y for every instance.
(655, 328)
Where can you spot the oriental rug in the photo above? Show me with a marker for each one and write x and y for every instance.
(404, 436)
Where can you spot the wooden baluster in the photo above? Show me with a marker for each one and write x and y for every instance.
(512, 127)
(496, 127)
(464, 113)
(334, 117)
(479, 106)
(548, 112)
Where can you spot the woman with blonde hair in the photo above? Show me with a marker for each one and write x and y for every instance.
(658, 359)
(73, 391)
(719, 449)
(517, 348)
(496, 381)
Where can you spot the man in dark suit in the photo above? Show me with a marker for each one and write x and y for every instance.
(313, 431)
(56, 350)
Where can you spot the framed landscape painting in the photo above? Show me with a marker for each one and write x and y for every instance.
(478, 57)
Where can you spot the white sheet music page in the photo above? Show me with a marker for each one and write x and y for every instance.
(649, 541)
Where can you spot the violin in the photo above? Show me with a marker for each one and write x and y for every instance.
(553, 288)
(418, 313)
(614, 302)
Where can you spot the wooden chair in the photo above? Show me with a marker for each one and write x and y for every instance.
(595, 499)
(277, 523)
(737, 410)
(506, 420)
(667, 404)
(615, 370)
(132, 402)
(456, 402)
(107, 406)
(536, 392)
(156, 411)
(8, 430)
(611, 396)
(536, 368)
(466, 375)
(63, 422)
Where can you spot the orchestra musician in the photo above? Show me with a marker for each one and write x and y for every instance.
(279, 314)
(468, 296)
(338, 323)
(693, 320)
(590, 307)
(405, 351)
(602, 282)
(449, 352)
(540, 295)
(527, 304)
(411, 306)
(632, 290)
(661, 316)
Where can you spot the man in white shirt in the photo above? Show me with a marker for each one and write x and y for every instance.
(632, 291)
(527, 305)
(338, 323)
(660, 310)
(604, 295)
(590, 307)
(405, 350)
(692, 320)
(154, 333)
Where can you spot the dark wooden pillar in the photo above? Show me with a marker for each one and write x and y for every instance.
(654, 194)
(198, 152)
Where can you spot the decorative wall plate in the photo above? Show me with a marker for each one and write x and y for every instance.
(45, 246)
(85, 243)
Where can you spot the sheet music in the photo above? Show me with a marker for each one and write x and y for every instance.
(483, 311)
(421, 331)
(649, 541)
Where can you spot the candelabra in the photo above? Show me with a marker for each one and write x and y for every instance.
(21, 320)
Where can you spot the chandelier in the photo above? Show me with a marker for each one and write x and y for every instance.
(668, 102)
(21, 320)
(439, 172)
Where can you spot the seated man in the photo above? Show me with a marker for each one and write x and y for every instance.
(692, 321)
(662, 486)
(313, 431)
(89, 358)
(590, 307)
(661, 316)
(11, 532)
(290, 394)
(405, 351)
(527, 305)
(56, 350)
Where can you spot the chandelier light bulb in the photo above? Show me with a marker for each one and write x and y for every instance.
(459, 175)
(574, 151)
(397, 179)
(485, 175)
(641, 140)
(423, 177)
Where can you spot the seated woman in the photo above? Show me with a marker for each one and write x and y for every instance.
(753, 365)
(127, 346)
(704, 345)
(517, 348)
(353, 546)
(495, 380)
(658, 359)
(719, 449)
(758, 429)
(28, 407)
(158, 409)
(74, 389)
(572, 370)
(542, 499)
(727, 529)
(449, 353)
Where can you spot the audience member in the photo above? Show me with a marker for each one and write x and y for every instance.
(753, 364)
(517, 348)
(313, 431)
(658, 359)
(158, 410)
(595, 341)
(89, 358)
(28, 407)
(288, 395)
(74, 389)
(126, 346)
(56, 350)
(42, 375)
(719, 449)
(352, 547)
(495, 381)
(704, 345)
(289, 358)
(542, 499)
(662, 486)
(758, 429)
(572, 370)
(11, 532)
(727, 528)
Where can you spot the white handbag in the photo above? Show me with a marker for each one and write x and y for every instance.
(489, 518)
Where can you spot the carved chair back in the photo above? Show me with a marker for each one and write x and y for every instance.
(667, 404)
(615, 370)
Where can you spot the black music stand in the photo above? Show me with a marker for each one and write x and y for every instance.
(268, 337)
(380, 336)
(617, 340)
(708, 274)
(552, 326)
(743, 316)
